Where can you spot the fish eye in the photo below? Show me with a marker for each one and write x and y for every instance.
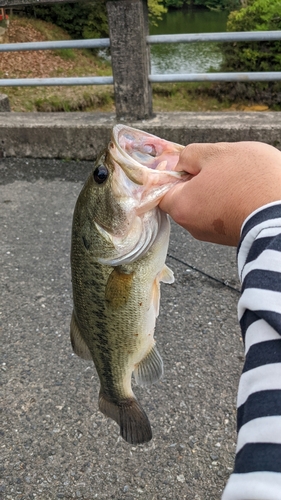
(100, 174)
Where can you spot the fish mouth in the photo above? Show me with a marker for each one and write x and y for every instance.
(140, 148)
(147, 161)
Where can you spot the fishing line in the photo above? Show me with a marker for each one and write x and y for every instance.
(205, 274)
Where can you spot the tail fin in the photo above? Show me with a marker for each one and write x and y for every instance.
(129, 415)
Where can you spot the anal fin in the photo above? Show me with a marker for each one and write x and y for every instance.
(79, 345)
(129, 415)
(150, 369)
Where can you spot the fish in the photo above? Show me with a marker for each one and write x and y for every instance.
(119, 245)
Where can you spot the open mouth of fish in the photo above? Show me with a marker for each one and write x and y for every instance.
(145, 149)
(148, 161)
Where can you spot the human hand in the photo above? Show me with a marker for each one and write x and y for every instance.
(228, 181)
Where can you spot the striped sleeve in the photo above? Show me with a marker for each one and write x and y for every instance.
(257, 470)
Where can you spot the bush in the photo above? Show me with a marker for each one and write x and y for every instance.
(257, 15)
(202, 4)
(80, 20)
(85, 19)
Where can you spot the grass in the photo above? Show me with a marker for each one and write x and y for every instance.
(82, 101)
(166, 97)
(73, 62)
(54, 99)
(186, 97)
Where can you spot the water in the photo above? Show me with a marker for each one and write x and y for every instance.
(187, 57)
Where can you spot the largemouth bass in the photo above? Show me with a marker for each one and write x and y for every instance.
(119, 245)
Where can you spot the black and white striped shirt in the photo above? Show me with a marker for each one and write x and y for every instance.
(257, 470)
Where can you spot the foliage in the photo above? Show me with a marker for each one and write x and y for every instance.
(86, 19)
(155, 10)
(80, 20)
(175, 4)
(256, 15)
(222, 4)
(96, 25)
(205, 4)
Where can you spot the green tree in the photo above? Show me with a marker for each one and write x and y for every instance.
(256, 15)
(220, 4)
(205, 4)
(80, 20)
(155, 10)
(86, 19)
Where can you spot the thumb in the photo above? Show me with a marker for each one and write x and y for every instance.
(190, 159)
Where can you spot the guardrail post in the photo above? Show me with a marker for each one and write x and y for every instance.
(128, 28)
(4, 103)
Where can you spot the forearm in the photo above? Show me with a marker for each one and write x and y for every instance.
(257, 471)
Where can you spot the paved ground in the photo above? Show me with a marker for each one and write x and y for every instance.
(55, 443)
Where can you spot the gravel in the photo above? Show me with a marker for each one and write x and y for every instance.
(54, 441)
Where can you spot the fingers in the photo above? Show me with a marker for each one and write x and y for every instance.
(168, 204)
(226, 182)
(188, 160)
(195, 156)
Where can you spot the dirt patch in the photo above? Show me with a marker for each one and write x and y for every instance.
(30, 64)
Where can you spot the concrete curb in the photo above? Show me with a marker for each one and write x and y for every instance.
(83, 135)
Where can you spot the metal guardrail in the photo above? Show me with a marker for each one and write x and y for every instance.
(248, 36)
(217, 77)
(93, 43)
(234, 36)
(52, 82)
(243, 36)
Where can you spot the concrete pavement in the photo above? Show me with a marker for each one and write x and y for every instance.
(55, 444)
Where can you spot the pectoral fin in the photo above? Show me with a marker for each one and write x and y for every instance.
(156, 296)
(166, 275)
(118, 288)
(79, 345)
(150, 369)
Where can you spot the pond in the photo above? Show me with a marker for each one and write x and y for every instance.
(187, 57)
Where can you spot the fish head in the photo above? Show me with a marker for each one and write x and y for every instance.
(103, 199)
(148, 161)
(118, 205)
